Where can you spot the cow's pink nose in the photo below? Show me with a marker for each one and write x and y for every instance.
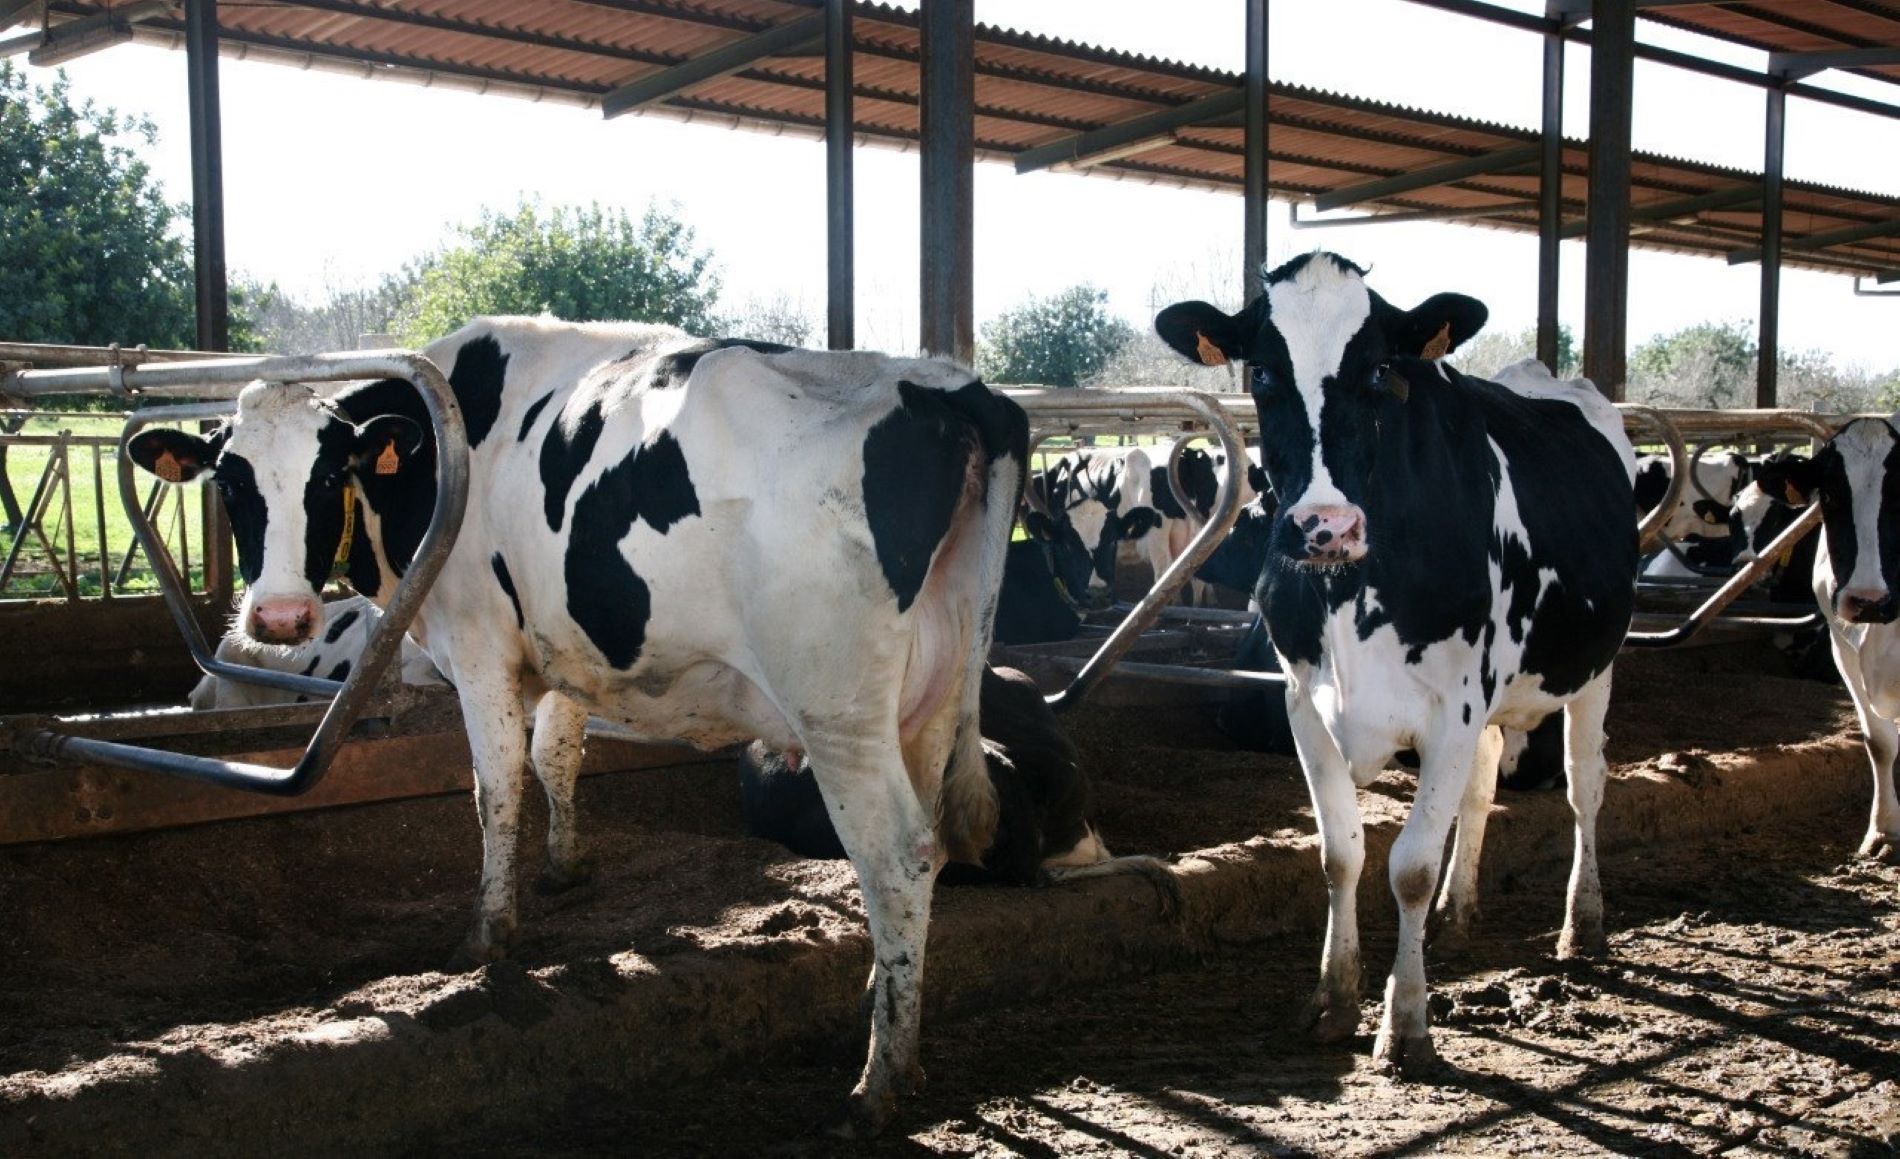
(287, 620)
(1858, 605)
(1334, 534)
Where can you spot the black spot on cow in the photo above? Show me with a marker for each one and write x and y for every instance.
(341, 672)
(564, 452)
(605, 596)
(403, 501)
(311, 668)
(534, 412)
(1198, 479)
(480, 371)
(244, 503)
(916, 461)
(341, 625)
(672, 370)
(508, 586)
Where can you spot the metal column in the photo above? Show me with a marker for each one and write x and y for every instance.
(1768, 356)
(207, 225)
(1607, 263)
(1254, 163)
(948, 119)
(840, 251)
(1550, 198)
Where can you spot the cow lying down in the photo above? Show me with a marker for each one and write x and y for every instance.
(1043, 834)
(329, 655)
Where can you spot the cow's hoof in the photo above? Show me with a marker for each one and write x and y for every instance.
(864, 1116)
(1585, 943)
(473, 955)
(1330, 1017)
(557, 879)
(1881, 847)
(1405, 1058)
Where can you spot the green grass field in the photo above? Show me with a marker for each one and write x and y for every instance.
(34, 575)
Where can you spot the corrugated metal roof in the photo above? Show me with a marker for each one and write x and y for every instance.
(1030, 91)
(1795, 26)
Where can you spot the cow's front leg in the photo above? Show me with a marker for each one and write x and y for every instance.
(1587, 771)
(1445, 763)
(491, 712)
(560, 729)
(1332, 1014)
(1882, 842)
(1458, 901)
(888, 834)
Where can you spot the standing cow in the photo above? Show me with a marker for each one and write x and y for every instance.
(634, 497)
(1856, 479)
(1450, 554)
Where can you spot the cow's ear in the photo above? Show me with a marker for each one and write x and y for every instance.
(1257, 479)
(1788, 478)
(1039, 526)
(385, 443)
(175, 456)
(1201, 333)
(1437, 326)
(1140, 522)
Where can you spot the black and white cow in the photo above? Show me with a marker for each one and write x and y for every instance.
(1856, 479)
(1704, 528)
(1044, 796)
(1100, 495)
(1450, 554)
(635, 495)
(329, 654)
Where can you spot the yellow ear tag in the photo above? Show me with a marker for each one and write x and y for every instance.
(167, 468)
(389, 460)
(1439, 346)
(1210, 354)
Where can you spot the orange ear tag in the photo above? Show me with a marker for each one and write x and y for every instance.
(1210, 354)
(388, 461)
(1439, 346)
(167, 468)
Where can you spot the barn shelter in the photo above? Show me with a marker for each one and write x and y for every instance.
(958, 92)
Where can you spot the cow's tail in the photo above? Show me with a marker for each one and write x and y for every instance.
(959, 614)
(1090, 858)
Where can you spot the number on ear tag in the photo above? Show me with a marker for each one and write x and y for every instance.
(389, 460)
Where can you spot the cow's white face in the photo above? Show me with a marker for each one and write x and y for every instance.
(1856, 477)
(284, 468)
(1323, 348)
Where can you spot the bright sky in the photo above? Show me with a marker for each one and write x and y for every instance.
(331, 181)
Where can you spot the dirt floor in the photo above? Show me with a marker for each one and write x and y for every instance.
(1752, 999)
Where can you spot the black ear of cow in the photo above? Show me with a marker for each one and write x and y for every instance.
(386, 441)
(1201, 333)
(1140, 522)
(1438, 325)
(1257, 479)
(1789, 478)
(1039, 526)
(174, 456)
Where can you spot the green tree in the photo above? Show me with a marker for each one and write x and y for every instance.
(1493, 350)
(578, 263)
(1060, 340)
(1709, 364)
(90, 251)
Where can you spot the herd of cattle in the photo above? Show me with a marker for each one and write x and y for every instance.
(735, 543)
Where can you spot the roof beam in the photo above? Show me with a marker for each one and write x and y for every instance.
(1821, 241)
(1441, 174)
(1800, 64)
(1455, 214)
(16, 11)
(722, 61)
(1685, 207)
(1581, 8)
(1112, 142)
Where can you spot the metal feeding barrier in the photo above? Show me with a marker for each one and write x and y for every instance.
(224, 378)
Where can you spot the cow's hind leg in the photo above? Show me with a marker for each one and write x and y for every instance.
(492, 713)
(560, 729)
(1332, 1014)
(1586, 769)
(1445, 765)
(1882, 842)
(889, 836)
(1458, 901)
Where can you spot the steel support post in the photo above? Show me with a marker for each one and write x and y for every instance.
(1607, 269)
(1769, 343)
(1254, 180)
(948, 118)
(207, 248)
(840, 251)
(1550, 201)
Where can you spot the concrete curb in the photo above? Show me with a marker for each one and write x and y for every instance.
(383, 1075)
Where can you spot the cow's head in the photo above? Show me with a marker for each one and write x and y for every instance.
(1084, 495)
(1856, 478)
(286, 467)
(1330, 358)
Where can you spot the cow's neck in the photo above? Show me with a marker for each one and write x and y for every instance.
(395, 508)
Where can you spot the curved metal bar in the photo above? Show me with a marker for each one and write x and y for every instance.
(224, 379)
(1649, 531)
(1033, 497)
(1174, 475)
(1092, 403)
(1736, 585)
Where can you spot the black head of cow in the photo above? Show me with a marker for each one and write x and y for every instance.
(288, 468)
(1332, 362)
(1856, 478)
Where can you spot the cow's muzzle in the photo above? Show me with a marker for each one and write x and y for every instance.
(283, 619)
(1866, 606)
(1331, 534)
